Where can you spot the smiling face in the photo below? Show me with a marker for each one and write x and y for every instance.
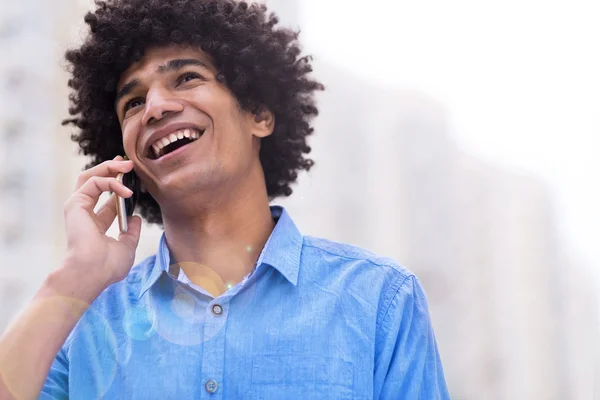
(183, 129)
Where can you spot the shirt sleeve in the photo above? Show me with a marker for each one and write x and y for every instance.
(407, 362)
(57, 382)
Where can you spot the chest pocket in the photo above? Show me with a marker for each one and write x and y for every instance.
(301, 377)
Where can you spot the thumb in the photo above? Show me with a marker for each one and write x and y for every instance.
(131, 238)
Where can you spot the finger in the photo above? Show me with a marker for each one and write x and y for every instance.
(87, 196)
(107, 168)
(107, 213)
(131, 238)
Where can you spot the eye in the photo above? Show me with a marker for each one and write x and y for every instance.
(138, 101)
(188, 76)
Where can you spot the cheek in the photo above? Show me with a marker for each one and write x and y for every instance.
(129, 137)
(227, 119)
(218, 102)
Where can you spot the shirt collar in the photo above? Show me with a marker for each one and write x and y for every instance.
(282, 251)
(283, 248)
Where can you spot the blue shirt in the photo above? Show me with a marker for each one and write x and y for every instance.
(315, 320)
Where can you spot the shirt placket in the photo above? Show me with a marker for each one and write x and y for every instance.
(214, 348)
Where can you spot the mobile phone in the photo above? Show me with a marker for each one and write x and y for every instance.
(125, 207)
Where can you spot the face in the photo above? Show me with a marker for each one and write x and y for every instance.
(184, 130)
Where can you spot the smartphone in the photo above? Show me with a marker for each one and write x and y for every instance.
(125, 207)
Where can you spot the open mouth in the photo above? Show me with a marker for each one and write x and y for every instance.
(174, 141)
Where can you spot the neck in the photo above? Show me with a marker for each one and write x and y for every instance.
(218, 243)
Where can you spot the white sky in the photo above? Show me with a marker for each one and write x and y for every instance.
(520, 79)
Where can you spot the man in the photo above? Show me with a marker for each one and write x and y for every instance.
(212, 106)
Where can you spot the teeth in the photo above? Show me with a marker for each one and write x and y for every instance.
(160, 144)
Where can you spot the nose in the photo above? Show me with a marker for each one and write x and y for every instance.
(159, 104)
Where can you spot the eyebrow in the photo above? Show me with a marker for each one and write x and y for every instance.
(170, 66)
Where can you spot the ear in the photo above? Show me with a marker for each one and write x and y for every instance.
(263, 123)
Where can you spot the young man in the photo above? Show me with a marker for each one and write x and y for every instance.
(211, 104)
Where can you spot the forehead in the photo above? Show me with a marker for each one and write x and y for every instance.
(158, 56)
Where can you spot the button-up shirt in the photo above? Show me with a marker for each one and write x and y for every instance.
(316, 319)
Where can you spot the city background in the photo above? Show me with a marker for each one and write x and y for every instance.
(458, 138)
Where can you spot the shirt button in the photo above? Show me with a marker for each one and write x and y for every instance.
(217, 310)
(211, 386)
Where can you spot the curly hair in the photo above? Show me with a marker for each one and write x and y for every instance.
(259, 62)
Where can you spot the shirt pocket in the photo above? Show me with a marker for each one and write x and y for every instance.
(301, 377)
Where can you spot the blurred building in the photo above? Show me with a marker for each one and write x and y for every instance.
(32, 103)
(513, 314)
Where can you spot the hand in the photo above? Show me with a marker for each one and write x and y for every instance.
(99, 260)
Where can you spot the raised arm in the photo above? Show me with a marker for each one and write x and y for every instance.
(94, 261)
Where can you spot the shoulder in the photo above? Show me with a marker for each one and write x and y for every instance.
(376, 279)
(342, 255)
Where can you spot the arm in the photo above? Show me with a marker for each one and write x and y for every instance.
(94, 262)
(407, 361)
(31, 343)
